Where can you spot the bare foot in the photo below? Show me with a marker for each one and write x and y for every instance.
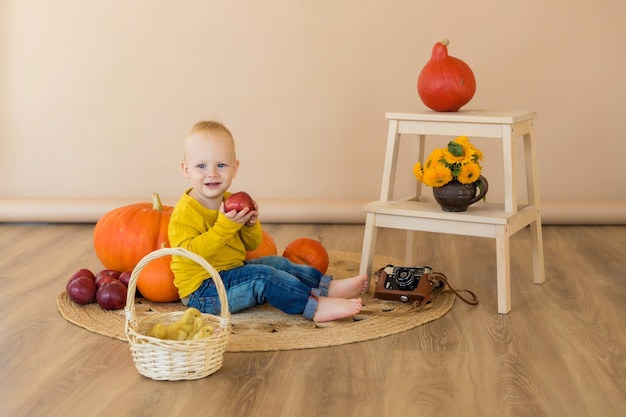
(348, 287)
(329, 309)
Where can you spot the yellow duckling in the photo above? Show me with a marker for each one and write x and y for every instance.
(175, 331)
(203, 332)
(159, 330)
(188, 319)
(190, 322)
(198, 323)
(190, 315)
(181, 329)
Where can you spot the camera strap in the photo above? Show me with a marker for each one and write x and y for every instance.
(473, 301)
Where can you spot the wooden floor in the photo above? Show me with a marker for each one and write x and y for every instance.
(560, 352)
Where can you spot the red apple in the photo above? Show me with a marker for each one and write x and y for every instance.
(125, 277)
(82, 290)
(104, 279)
(109, 272)
(106, 275)
(83, 272)
(111, 295)
(238, 201)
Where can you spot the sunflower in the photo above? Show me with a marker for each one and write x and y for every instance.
(418, 171)
(437, 176)
(469, 173)
(478, 155)
(435, 157)
(459, 151)
(458, 161)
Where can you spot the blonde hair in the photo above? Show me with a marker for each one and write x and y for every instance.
(209, 126)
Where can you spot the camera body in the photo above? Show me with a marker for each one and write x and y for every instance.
(404, 278)
(402, 283)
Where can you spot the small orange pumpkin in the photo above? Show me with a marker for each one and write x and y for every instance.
(266, 248)
(126, 234)
(156, 281)
(445, 83)
(307, 251)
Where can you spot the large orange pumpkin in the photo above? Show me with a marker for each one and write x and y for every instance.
(126, 234)
(266, 248)
(308, 251)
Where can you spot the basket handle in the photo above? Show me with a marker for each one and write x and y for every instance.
(132, 283)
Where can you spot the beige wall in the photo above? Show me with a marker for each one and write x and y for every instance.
(95, 98)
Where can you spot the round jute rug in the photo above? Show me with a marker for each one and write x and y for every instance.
(264, 328)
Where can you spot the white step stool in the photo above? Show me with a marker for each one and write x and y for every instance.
(497, 221)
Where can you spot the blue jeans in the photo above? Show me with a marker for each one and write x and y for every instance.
(290, 287)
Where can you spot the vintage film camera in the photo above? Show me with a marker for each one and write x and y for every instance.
(402, 283)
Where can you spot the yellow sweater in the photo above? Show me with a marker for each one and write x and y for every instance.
(210, 234)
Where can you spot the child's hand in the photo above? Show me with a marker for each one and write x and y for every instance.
(255, 215)
(246, 216)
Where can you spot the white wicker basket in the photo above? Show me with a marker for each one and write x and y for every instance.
(170, 359)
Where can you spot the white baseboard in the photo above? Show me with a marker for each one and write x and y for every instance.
(86, 210)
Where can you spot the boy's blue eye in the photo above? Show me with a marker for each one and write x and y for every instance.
(221, 165)
(201, 166)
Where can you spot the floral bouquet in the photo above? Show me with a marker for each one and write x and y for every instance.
(458, 162)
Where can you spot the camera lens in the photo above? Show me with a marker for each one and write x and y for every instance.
(405, 279)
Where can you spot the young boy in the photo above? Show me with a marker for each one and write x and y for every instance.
(199, 224)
